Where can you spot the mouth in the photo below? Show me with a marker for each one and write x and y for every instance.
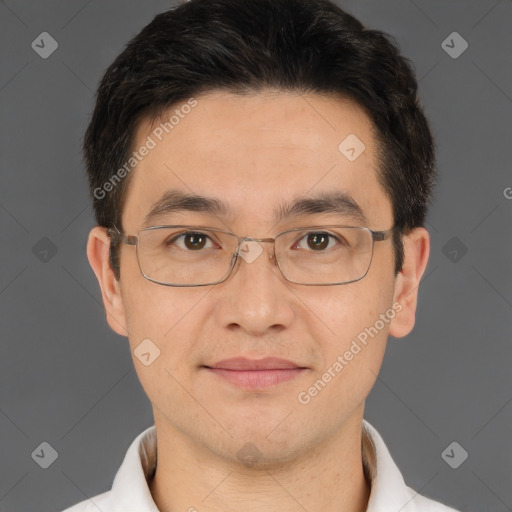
(256, 374)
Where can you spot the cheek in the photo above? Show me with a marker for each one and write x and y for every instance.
(162, 313)
(164, 325)
(357, 317)
(152, 310)
(341, 313)
(164, 322)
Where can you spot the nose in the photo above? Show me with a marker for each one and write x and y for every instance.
(255, 298)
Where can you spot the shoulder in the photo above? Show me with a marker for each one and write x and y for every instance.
(389, 491)
(93, 504)
(419, 503)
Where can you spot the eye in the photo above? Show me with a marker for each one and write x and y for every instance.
(191, 241)
(317, 241)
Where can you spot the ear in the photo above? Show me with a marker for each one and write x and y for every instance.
(416, 253)
(98, 246)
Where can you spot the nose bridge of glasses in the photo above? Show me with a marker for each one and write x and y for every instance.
(243, 239)
(249, 248)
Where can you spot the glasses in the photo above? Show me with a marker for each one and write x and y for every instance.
(201, 256)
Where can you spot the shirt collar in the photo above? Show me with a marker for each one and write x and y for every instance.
(130, 489)
(388, 488)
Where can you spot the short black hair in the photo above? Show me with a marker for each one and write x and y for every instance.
(248, 46)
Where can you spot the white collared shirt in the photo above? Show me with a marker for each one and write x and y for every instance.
(130, 491)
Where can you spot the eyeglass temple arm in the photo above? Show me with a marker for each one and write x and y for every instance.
(116, 236)
(378, 236)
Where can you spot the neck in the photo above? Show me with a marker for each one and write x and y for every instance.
(326, 478)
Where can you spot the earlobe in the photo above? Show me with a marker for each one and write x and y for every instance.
(98, 245)
(416, 253)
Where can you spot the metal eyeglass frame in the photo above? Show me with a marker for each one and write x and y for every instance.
(117, 237)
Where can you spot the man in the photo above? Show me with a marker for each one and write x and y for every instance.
(261, 172)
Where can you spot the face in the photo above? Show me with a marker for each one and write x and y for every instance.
(255, 154)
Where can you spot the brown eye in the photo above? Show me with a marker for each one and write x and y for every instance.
(318, 241)
(195, 241)
(189, 241)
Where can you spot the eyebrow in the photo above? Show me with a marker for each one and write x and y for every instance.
(337, 202)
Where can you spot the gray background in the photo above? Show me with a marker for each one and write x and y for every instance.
(67, 380)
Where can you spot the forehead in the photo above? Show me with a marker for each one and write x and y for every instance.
(256, 153)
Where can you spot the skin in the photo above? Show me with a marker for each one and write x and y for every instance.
(242, 150)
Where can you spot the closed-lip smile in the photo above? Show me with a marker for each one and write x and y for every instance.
(256, 374)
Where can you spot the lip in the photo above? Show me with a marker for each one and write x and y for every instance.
(256, 374)
(245, 364)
